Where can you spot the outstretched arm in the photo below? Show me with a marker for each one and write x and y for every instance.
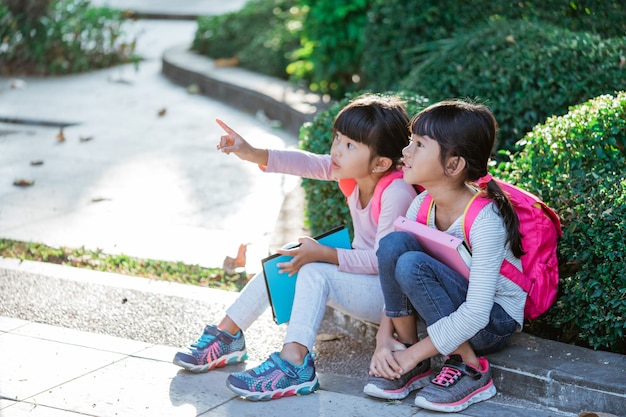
(233, 142)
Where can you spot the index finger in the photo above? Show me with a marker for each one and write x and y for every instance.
(292, 251)
(226, 128)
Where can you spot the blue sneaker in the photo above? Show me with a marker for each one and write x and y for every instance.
(275, 378)
(214, 349)
(457, 386)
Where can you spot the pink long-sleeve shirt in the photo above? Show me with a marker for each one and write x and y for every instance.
(396, 199)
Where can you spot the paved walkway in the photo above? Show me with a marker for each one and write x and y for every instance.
(96, 375)
(85, 369)
(145, 185)
(109, 353)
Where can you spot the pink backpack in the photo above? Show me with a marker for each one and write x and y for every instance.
(540, 228)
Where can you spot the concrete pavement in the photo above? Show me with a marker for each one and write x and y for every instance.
(114, 357)
(145, 185)
(78, 342)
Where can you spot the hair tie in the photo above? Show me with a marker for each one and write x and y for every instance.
(482, 181)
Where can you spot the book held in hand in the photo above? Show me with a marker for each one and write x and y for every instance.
(281, 288)
(447, 249)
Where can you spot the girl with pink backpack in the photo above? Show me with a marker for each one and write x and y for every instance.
(451, 144)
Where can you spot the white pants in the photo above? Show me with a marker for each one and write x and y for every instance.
(318, 285)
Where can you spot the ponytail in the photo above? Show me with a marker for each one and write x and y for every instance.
(502, 201)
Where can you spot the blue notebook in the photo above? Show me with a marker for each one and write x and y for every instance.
(281, 288)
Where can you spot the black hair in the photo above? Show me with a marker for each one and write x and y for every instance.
(468, 130)
(380, 122)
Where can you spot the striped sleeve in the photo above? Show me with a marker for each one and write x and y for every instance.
(489, 248)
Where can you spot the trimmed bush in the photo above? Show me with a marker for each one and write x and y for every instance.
(397, 26)
(332, 43)
(525, 71)
(576, 162)
(68, 37)
(327, 205)
(262, 35)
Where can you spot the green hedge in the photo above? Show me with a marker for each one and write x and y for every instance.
(524, 71)
(397, 26)
(576, 163)
(262, 35)
(332, 44)
(70, 37)
(327, 205)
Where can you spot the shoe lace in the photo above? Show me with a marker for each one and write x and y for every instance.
(266, 365)
(204, 340)
(447, 376)
(275, 362)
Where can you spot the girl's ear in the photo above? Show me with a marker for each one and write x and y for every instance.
(381, 164)
(455, 165)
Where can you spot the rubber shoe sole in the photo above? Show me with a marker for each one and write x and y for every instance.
(415, 383)
(222, 361)
(482, 394)
(303, 389)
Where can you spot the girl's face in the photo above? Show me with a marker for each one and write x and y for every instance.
(350, 159)
(421, 160)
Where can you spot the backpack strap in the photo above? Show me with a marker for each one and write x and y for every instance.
(473, 207)
(425, 209)
(476, 204)
(347, 186)
(381, 185)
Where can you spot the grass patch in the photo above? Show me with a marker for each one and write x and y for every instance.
(61, 37)
(123, 264)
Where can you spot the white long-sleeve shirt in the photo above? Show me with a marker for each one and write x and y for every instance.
(395, 201)
(486, 284)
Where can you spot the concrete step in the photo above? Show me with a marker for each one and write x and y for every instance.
(501, 405)
(548, 374)
(270, 98)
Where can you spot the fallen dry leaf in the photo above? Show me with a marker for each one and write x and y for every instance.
(227, 62)
(327, 337)
(60, 136)
(17, 83)
(119, 80)
(23, 183)
(162, 112)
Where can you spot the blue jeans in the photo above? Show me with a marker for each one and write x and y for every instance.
(414, 282)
